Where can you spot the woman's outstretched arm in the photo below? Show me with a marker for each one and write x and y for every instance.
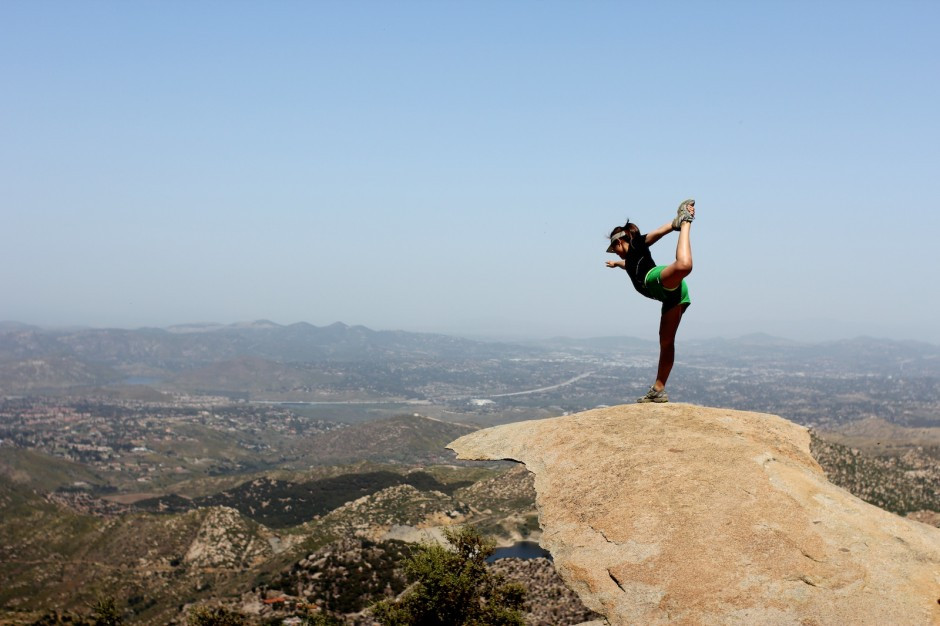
(655, 235)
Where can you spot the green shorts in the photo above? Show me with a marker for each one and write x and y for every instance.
(669, 297)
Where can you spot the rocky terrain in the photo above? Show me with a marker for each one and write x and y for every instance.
(343, 577)
(61, 551)
(394, 508)
(225, 539)
(904, 484)
(255, 541)
(348, 575)
(549, 600)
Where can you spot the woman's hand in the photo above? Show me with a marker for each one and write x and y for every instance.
(615, 263)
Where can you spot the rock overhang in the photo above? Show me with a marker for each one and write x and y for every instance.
(681, 513)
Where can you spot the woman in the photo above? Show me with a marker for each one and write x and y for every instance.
(660, 282)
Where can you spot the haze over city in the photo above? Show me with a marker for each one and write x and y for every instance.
(456, 167)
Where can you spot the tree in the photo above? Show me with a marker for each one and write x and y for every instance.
(453, 587)
(104, 612)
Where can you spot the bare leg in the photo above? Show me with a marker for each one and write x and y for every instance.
(673, 274)
(668, 325)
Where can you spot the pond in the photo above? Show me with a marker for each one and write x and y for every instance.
(520, 550)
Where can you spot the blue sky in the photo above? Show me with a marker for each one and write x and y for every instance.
(455, 166)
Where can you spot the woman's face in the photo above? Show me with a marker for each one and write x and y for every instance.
(620, 247)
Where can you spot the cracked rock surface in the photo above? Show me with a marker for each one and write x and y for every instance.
(673, 513)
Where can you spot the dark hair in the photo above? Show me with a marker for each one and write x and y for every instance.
(630, 227)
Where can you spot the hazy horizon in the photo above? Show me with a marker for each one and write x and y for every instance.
(455, 167)
(818, 334)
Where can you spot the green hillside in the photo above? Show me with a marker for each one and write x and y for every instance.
(43, 471)
(405, 438)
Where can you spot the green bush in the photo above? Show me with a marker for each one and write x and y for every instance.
(454, 587)
(104, 612)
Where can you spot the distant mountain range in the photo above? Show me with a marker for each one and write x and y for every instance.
(189, 346)
(34, 359)
(861, 355)
(286, 362)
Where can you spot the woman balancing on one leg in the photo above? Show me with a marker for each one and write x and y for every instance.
(660, 282)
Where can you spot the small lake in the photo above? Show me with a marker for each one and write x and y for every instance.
(520, 550)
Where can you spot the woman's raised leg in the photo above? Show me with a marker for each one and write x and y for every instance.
(673, 274)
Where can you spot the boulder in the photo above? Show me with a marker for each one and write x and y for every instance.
(673, 513)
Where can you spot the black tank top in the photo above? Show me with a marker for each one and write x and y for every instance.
(638, 263)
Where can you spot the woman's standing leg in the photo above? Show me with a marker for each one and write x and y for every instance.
(668, 325)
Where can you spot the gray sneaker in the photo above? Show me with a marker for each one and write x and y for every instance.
(682, 214)
(654, 396)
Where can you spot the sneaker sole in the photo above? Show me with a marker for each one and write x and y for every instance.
(682, 214)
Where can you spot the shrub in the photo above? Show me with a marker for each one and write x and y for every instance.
(454, 587)
(105, 613)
